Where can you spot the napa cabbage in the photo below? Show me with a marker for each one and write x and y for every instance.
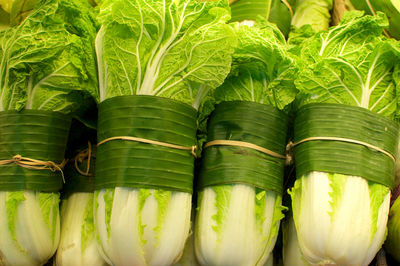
(341, 219)
(46, 63)
(179, 50)
(237, 224)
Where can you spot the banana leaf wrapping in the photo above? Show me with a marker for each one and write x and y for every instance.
(122, 163)
(348, 122)
(35, 134)
(255, 123)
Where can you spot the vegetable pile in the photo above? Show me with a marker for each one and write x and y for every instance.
(184, 132)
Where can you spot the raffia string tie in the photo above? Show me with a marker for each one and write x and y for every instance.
(80, 157)
(291, 145)
(243, 144)
(34, 164)
(154, 142)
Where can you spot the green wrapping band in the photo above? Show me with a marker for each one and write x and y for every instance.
(76, 182)
(349, 122)
(255, 123)
(123, 163)
(36, 134)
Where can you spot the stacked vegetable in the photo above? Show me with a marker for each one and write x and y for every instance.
(47, 69)
(342, 195)
(163, 69)
(240, 188)
(157, 63)
(78, 244)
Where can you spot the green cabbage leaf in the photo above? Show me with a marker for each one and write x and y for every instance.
(47, 61)
(175, 49)
(262, 70)
(390, 7)
(352, 64)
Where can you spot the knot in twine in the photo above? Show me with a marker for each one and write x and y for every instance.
(35, 164)
(80, 157)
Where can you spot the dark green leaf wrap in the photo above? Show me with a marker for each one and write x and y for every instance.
(122, 163)
(35, 134)
(259, 124)
(355, 123)
(75, 182)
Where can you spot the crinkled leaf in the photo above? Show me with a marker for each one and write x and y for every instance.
(163, 48)
(47, 62)
(390, 7)
(262, 70)
(352, 64)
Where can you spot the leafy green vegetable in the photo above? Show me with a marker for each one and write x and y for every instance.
(174, 49)
(262, 70)
(222, 199)
(29, 228)
(163, 198)
(78, 239)
(236, 225)
(13, 200)
(180, 50)
(352, 64)
(47, 62)
(341, 219)
(390, 7)
(144, 228)
(88, 229)
(49, 205)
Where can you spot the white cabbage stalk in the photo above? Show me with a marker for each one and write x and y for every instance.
(188, 257)
(29, 227)
(339, 219)
(392, 244)
(291, 251)
(235, 225)
(270, 261)
(78, 244)
(142, 226)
